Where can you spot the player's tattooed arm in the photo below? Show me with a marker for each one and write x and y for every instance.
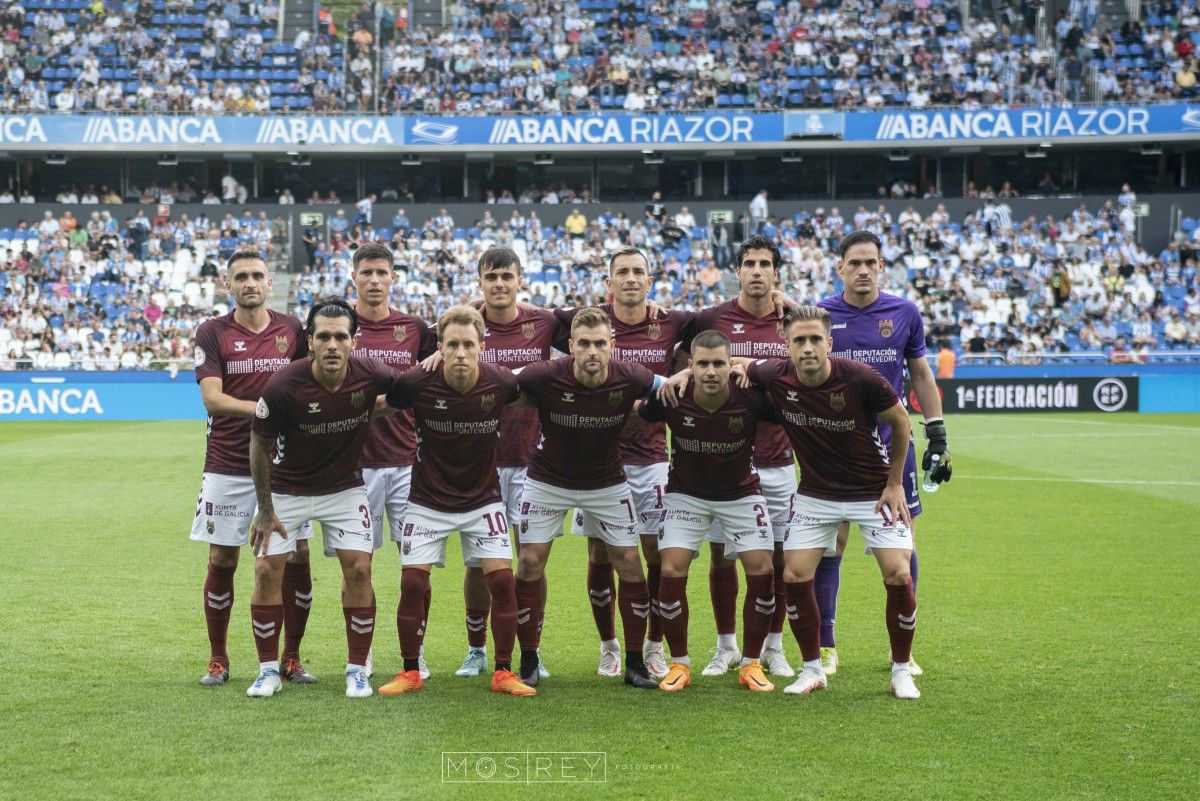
(265, 520)
(893, 504)
(219, 404)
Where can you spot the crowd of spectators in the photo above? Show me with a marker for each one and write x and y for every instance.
(223, 56)
(100, 293)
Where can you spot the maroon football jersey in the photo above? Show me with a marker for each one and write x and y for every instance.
(755, 338)
(833, 427)
(650, 343)
(581, 427)
(455, 469)
(244, 361)
(400, 341)
(526, 340)
(711, 452)
(319, 434)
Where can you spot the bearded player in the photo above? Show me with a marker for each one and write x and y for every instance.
(649, 339)
(886, 332)
(316, 412)
(235, 355)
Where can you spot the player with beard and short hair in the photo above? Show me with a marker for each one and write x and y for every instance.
(399, 340)
(583, 403)
(752, 322)
(832, 410)
(884, 331)
(235, 355)
(316, 412)
(712, 437)
(649, 339)
(515, 336)
(456, 488)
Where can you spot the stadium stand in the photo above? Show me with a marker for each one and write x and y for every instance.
(211, 57)
(103, 293)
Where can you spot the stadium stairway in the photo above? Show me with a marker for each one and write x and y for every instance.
(1113, 14)
(298, 15)
(281, 292)
(426, 13)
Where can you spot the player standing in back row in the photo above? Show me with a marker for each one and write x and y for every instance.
(399, 340)
(649, 340)
(235, 355)
(514, 336)
(884, 331)
(752, 322)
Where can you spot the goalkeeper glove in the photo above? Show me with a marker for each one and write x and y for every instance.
(936, 461)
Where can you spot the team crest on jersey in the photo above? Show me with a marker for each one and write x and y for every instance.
(488, 402)
(281, 344)
(400, 332)
(357, 397)
(736, 424)
(779, 329)
(654, 330)
(615, 397)
(837, 400)
(885, 328)
(528, 330)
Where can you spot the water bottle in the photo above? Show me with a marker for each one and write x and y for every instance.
(927, 483)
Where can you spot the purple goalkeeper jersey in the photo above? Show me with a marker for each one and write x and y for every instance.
(884, 335)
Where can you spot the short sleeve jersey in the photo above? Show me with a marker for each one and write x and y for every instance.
(650, 343)
(244, 361)
(455, 468)
(400, 341)
(581, 427)
(834, 428)
(711, 452)
(884, 335)
(319, 434)
(755, 338)
(526, 340)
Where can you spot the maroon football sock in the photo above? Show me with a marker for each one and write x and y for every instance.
(634, 600)
(805, 617)
(297, 600)
(529, 613)
(503, 589)
(901, 620)
(267, 620)
(410, 612)
(601, 588)
(218, 606)
(757, 613)
(653, 577)
(780, 602)
(360, 629)
(723, 589)
(673, 607)
(477, 621)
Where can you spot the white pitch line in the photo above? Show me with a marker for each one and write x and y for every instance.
(1060, 420)
(1084, 480)
(1078, 437)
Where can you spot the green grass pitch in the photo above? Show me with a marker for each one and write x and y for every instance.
(1058, 605)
